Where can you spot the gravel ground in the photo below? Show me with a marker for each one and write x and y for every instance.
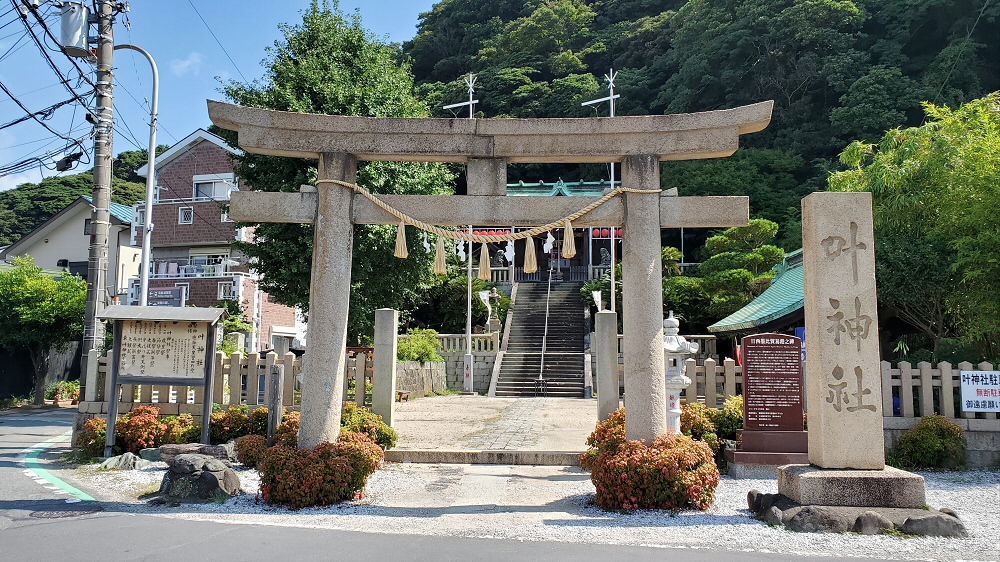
(555, 503)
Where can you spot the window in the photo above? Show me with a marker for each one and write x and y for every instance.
(227, 291)
(225, 216)
(185, 215)
(87, 231)
(214, 186)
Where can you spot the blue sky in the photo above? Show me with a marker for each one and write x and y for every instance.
(189, 61)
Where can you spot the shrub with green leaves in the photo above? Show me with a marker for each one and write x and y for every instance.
(363, 420)
(935, 442)
(728, 419)
(420, 345)
(63, 390)
(674, 472)
(229, 424)
(181, 429)
(326, 474)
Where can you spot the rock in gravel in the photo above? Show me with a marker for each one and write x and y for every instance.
(127, 461)
(752, 499)
(230, 448)
(934, 525)
(188, 463)
(871, 523)
(773, 516)
(949, 511)
(764, 503)
(151, 455)
(813, 518)
(168, 452)
(194, 477)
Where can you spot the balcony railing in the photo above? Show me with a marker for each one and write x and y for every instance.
(164, 268)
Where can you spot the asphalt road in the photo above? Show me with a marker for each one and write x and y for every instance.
(43, 519)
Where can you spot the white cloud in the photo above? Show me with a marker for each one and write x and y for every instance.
(189, 65)
(13, 180)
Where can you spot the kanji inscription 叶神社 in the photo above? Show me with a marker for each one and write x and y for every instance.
(843, 377)
(638, 143)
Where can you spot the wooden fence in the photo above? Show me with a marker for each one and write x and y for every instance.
(907, 391)
(239, 379)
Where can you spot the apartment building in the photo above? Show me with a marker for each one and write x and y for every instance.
(192, 240)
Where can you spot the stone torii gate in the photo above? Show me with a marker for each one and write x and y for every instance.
(638, 143)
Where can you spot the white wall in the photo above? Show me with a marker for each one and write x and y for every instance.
(63, 240)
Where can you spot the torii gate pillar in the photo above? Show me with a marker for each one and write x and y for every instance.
(642, 301)
(329, 301)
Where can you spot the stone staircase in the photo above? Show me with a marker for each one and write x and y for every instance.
(563, 372)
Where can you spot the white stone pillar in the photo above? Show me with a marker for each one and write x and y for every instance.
(642, 301)
(329, 298)
(384, 385)
(843, 376)
(606, 344)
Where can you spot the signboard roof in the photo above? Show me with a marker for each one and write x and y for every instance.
(163, 313)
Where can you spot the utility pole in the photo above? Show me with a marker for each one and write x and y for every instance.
(97, 264)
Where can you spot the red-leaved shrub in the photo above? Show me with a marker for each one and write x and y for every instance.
(326, 474)
(674, 472)
(92, 436)
(287, 433)
(250, 448)
(140, 429)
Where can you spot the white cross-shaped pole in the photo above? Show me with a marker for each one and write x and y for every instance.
(468, 386)
(610, 98)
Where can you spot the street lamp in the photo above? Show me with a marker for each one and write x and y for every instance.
(147, 227)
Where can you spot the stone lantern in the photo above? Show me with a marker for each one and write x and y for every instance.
(675, 351)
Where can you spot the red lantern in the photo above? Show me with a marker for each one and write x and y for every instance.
(605, 232)
(620, 230)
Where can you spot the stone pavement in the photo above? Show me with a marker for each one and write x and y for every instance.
(483, 423)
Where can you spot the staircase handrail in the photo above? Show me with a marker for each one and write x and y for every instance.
(545, 333)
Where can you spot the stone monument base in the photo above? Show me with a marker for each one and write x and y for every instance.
(805, 484)
(760, 453)
(777, 509)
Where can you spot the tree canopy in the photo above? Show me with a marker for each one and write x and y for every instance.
(39, 312)
(330, 64)
(838, 70)
(34, 203)
(936, 189)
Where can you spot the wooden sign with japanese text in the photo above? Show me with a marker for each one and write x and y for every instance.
(843, 375)
(163, 349)
(772, 383)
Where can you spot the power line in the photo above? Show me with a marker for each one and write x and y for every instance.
(209, 28)
(45, 113)
(48, 59)
(35, 117)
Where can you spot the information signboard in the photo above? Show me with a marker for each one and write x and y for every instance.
(162, 345)
(154, 348)
(772, 382)
(980, 391)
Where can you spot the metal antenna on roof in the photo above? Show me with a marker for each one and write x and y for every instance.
(610, 98)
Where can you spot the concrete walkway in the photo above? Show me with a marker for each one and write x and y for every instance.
(496, 424)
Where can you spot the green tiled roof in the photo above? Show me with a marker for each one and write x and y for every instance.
(783, 297)
(591, 188)
(121, 212)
